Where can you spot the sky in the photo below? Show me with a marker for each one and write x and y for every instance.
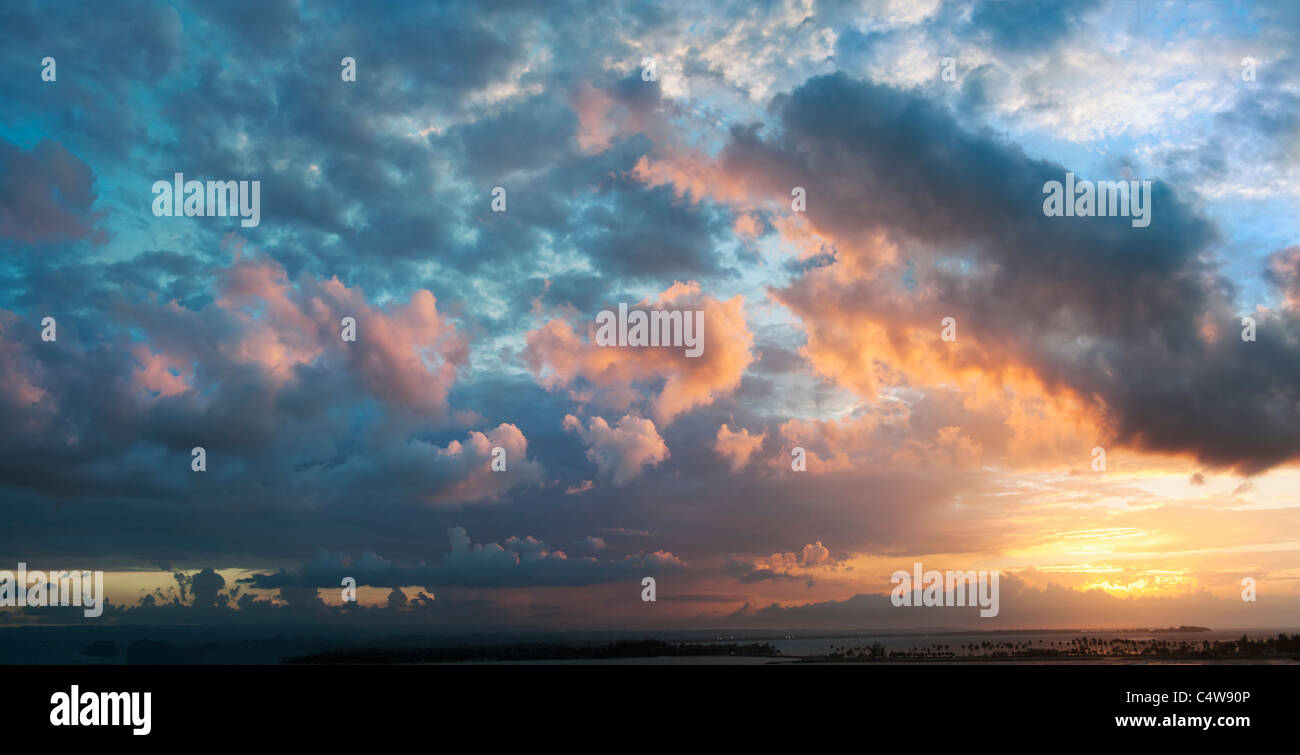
(920, 134)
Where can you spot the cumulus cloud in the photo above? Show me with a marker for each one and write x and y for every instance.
(814, 554)
(472, 461)
(737, 447)
(593, 542)
(616, 375)
(778, 566)
(407, 354)
(895, 171)
(621, 452)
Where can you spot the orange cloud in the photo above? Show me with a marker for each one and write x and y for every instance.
(737, 447)
(559, 357)
(813, 555)
(868, 333)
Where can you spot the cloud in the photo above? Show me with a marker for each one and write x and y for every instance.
(1034, 27)
(1284, 273)
(627, 107)
(1081, 309)
(621, 452)
(408, 354)
(559, 357)
(19, 370)
(476, 480)
(518, 562)
(779, 566)
(737, 447)
(206, 587)
(46, 195)
(814, 554)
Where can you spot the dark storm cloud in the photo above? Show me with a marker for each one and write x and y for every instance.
(1093, 304)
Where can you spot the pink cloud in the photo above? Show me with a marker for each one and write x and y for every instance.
(160, 373)
(592, 106)
(407, 354)
(604, 115)
(18, 371)
(737, 447)
(471, 464)
(621, 452)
